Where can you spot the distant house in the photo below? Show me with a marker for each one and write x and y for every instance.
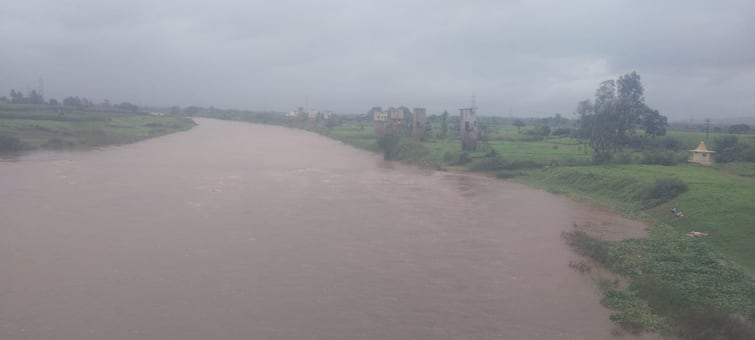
(397, 118)
(298, 113)
(313, 114)
(379, 121)
(701, 155)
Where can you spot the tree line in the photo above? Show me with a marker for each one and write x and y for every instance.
(36, 98)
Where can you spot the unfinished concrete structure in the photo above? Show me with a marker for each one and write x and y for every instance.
(419, 124)
(397, 118)
(468, 127)
(701, 155)
(379, 121)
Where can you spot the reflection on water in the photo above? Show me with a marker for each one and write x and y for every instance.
(238, 231)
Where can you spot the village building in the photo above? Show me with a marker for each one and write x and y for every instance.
(380, 117)
(468, 128)
(295, 114)
(419, 125)
(397, 118)
(701, 155)
(379, 121)
(327, 115)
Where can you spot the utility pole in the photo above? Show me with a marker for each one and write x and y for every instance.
(707, 128)
(41, 87)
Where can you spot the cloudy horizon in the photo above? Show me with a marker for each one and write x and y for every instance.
(696, 58)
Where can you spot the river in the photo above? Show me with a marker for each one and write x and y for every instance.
(241, 231)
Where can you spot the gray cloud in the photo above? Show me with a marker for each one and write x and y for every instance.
(526, 57)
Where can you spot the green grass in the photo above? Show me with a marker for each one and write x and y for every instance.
(677, 286)
(80, 129)
(720, 204)
(744, 169)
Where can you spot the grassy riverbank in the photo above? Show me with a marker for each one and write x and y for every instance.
(680, 285)
(719, 199)
(28, 127)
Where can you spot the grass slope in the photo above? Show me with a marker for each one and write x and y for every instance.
(81, 129)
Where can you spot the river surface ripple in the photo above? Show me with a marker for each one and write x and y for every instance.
(242, 231)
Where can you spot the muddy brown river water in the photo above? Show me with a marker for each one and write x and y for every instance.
(241, 231)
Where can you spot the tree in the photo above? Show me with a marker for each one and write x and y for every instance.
(72, 101)
(653, 123)
(54, 102)
(618, 110)
(519, 124)
(128, 107)
(728, 149)
(444, 125)
(35, 98)
(17, 97)
(739, 128)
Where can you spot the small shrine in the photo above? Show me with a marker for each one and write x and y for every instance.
(701, 155)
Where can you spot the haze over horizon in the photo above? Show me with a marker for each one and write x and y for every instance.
(696, 58)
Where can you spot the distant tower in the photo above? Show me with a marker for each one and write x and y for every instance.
(468, 128)
(41, 87)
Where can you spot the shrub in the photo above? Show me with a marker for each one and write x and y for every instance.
(497, 163)
(464, 158)
(622, 158)
(728, 149)
(664, 190)
(660, 158)
(10, 143)
(588, 246)
(561, 132)
(389, 144)
(509, 174)
(672, 143)
(451, 157)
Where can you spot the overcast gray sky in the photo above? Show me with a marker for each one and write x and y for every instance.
(529, 58)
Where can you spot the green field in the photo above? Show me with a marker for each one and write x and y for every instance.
(27, 127)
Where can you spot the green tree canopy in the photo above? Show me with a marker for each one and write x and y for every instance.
(617, 111)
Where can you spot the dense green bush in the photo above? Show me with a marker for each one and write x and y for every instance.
(464, 158)
(729, 149)
(663, 190)
(561, 132)
(588, 246)
(676, 286)
(672, 143)
(10, 143)
(389, 144)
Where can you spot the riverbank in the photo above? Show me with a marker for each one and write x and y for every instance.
(717, 203)
(30, 127)
(677, 284)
